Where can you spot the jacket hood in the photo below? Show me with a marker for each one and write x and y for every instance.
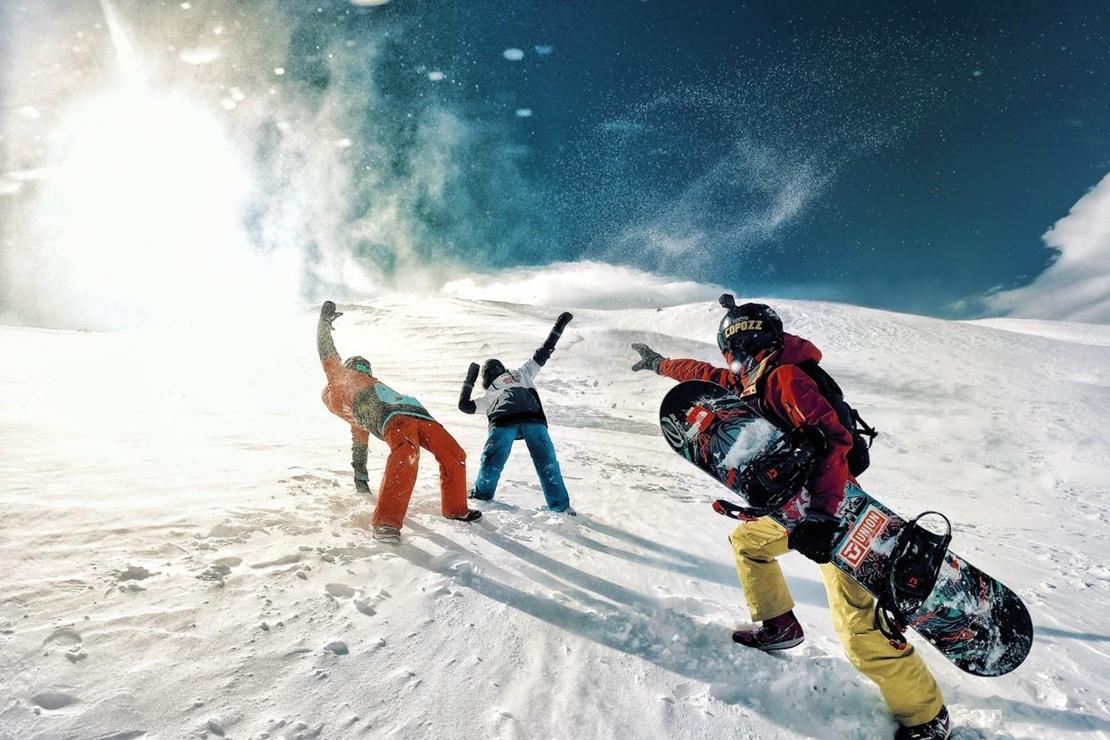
(796, 350)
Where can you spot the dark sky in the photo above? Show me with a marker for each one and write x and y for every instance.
(897, 155)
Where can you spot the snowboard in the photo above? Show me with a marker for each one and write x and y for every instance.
(973, 620)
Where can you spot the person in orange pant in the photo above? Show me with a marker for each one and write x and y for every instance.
(371, 407)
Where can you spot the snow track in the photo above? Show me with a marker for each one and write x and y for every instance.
(182, 552)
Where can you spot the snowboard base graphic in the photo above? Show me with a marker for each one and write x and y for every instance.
(973, 620)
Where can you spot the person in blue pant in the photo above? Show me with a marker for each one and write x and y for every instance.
(512, 404)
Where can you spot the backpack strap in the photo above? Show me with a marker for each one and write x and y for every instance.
(863, 428)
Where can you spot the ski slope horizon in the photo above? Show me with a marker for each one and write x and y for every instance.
(184, 554)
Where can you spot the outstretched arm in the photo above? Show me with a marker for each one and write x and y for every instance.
(543, 354)
(679, 370)
(329, 357)
(466, 404)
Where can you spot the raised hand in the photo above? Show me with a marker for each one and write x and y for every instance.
(328, 312)
(472, 374)
(649, 358)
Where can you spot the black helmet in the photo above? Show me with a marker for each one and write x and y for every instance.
(748, 334)
(358, 364)
(491, 370)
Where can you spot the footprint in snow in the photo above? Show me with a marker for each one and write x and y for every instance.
(67, 639)
(132, 573)
(53, 700)
(339, 590)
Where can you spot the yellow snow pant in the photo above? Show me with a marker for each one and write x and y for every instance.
(903, 678)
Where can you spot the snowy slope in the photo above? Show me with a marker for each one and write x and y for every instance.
(183, 555)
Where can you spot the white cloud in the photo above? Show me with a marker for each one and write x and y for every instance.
(581, 285)
(1076, 286)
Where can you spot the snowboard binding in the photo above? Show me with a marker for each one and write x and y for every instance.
(775, 477)
(914, 568)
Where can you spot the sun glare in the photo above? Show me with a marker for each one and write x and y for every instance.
(144, 207)
(147, 203)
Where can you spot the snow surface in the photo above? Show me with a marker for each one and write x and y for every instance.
(182, 552)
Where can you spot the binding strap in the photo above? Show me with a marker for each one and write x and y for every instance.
(913, 571)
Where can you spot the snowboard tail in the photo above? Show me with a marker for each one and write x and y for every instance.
(971, 618)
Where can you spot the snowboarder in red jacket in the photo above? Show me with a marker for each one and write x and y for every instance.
(763, 367)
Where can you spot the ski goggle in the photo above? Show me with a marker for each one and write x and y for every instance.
(750, 368)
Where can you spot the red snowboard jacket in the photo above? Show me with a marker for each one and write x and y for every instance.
(789, 397)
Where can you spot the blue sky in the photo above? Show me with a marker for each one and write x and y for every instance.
(894, 155)
(888, 154)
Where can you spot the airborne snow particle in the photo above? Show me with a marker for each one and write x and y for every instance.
(368, 3)
(977, 73)
(343, 143)
(436, 75)
(524, 112)
(544, 49)
(200, 55)
(279, 71)
(513, 55)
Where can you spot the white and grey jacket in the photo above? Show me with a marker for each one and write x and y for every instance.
(511, 397)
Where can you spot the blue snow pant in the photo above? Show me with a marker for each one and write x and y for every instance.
(496, 452)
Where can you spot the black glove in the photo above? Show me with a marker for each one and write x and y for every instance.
(472, 374)
(466, 405)
(649, 358)
(543, 354)
(328, 312)
(814, 537)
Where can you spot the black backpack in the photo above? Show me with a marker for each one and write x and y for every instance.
(859, 457)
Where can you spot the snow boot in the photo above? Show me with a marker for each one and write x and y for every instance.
(387, 533)
(478, 496)
(780, 633)
(470, 516)
(938, 728)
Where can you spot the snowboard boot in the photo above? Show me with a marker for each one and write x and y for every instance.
(474, 494)
(387, 534)
(471, 515)
(780, 633)
(938, 728)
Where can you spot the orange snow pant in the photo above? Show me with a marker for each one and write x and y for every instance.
(903, 678)
(405, 435)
